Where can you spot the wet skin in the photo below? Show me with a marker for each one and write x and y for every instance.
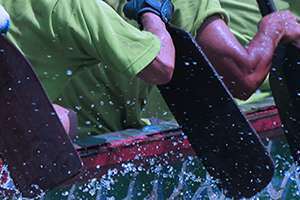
(62, 114)
(244, 68)
(160, 70)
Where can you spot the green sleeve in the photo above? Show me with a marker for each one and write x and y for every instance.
(244, 18)
(295, 7)
(190, 14)
(103, 36)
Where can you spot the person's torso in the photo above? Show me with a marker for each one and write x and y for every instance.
(71, 77)
(50, 39)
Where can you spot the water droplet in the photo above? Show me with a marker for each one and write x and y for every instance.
(69, 72)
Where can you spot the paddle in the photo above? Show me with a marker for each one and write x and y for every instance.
(33, 142)
(285, 85)
(217, 130)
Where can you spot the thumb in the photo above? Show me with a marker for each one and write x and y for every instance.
(62, 114)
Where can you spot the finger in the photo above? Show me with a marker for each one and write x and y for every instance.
(62, 114)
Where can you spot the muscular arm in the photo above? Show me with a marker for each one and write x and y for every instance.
(243, 68)
(161, 69)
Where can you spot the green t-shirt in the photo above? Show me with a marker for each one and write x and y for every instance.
(66, 38)
(188, 14)
(113, 101)
(294, 6)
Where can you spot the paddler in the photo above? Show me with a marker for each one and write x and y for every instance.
(243, 64)
(64, 38)
(126, 100)
(63, 113)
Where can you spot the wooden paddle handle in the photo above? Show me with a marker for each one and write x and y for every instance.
(266, 7)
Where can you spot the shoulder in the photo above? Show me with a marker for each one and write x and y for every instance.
(83, 7)
(81, 16)
(191, 14)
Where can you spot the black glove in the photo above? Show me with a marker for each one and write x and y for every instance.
(135, 8)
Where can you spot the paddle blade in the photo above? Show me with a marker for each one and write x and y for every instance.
(285, 85)
(218, 132)
(284, 82)
(33, 142)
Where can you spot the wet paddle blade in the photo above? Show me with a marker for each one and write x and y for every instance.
(285, 85)
(218, 132)
(284, 82)
(33, 142)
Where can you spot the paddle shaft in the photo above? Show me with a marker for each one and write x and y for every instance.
(266, 7)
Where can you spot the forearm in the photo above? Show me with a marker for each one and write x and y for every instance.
(161, 69)
(260, 52)
(243, 68)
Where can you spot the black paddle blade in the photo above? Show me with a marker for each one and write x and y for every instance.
(218, 132)
(284, 81)
(285, 85)
(33, 142)
(266, 7)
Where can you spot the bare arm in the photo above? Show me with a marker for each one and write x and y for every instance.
(244, 68)
(161, 69)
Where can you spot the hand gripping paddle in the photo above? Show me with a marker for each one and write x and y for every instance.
(285, 86)
(217, 130)
(33, 142)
